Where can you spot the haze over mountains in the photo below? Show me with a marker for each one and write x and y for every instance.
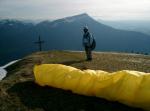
(17, 38)
(131, 25)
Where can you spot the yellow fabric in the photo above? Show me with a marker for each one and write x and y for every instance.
(128, 87)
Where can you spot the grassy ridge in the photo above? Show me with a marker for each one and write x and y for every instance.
(18, 92)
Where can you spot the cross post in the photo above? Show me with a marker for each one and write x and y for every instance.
(39, 42)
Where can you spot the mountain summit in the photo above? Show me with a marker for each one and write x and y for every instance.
(78, 17)
(18, 39)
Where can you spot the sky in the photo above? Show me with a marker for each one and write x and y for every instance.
(54, 9)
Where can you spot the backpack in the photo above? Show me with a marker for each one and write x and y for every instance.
(93, 45)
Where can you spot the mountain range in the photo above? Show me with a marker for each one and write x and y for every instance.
(17, 38)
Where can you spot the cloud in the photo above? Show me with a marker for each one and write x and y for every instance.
(52, 9)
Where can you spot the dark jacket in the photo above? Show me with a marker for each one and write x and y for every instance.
(87, 39)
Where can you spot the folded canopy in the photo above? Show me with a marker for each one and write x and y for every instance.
(129, 87)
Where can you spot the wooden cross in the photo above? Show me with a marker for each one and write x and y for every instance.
(39, 42)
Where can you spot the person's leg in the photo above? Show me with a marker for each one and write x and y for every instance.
(89, 54)
(86, 51)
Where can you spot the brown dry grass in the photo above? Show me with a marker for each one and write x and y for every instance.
(18, 92)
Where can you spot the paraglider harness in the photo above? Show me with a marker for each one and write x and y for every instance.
(93, 45)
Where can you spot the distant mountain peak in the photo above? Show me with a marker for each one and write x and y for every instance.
(69, 19)
(74, 18)
(80, 16)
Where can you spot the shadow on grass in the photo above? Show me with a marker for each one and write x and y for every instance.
(53, 99)
(14, 68)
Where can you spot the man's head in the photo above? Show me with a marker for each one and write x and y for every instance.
(85, 29)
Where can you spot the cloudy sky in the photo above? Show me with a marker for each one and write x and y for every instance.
(53, 9)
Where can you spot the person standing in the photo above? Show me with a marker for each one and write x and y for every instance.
(87, 43)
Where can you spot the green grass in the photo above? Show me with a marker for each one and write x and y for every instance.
(18, 92)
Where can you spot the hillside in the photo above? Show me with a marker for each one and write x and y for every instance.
(18, 92)
(19, 37)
